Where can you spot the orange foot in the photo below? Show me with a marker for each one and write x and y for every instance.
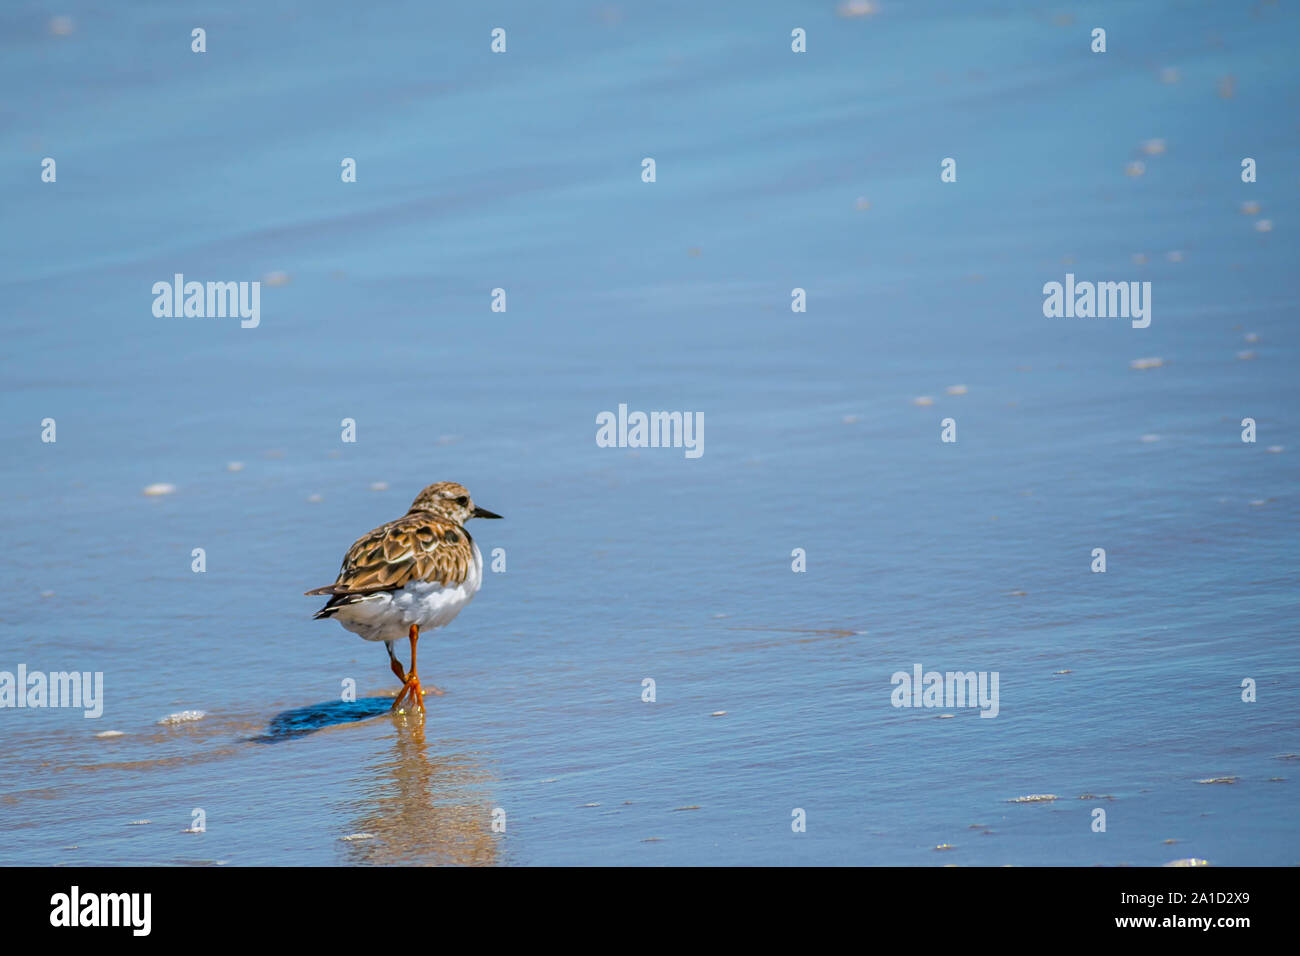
(411, 692)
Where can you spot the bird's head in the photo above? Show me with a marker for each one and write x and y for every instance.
(450, 500)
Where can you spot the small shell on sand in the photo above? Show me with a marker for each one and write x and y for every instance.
(159, 488)
(1188, 861)
(1034, 798)
(183, 717)
(956, 389)
(857, 8)
(1218, 780)
(1153, 362)
(923, 400)
(718, 713)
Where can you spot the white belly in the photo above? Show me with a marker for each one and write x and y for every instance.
(389, 616)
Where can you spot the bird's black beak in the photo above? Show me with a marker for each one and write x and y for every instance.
(483, 513)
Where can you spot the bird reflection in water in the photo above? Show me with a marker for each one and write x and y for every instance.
(415, 805)
(423, 805)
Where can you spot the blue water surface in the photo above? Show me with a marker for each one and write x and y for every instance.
(775, 170)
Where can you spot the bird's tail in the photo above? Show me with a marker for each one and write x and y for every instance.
(340, 597)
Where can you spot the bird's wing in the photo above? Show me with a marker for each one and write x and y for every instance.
(416, 547)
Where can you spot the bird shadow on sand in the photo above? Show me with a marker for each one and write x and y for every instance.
(289, 724)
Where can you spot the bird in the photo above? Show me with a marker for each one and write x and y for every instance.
(414, 573)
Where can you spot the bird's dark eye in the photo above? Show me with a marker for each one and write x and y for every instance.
(462, 501)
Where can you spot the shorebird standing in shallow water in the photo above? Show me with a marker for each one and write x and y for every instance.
(412, 573)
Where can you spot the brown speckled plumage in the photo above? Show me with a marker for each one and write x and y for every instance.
(428, 543)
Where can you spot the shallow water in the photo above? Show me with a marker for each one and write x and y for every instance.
(774, 171)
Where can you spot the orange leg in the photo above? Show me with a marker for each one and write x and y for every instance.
(415, 692)
(396, 666)
(410, 680)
